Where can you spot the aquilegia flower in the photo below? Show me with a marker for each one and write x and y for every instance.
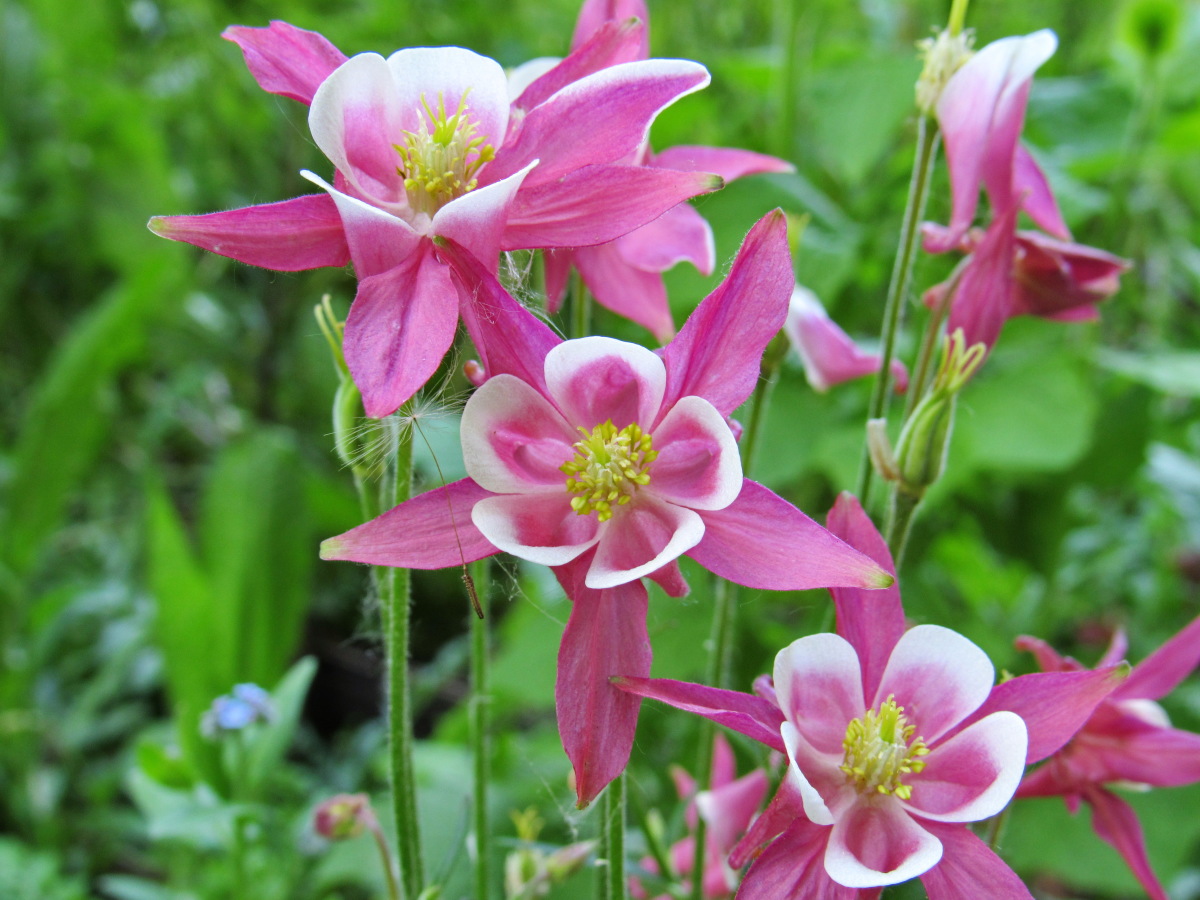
(607, 462)
(426, 143)
(895, 739)
(625, 275)
(1128, 740)
(981, 112)
(727, 809)
(828, 354)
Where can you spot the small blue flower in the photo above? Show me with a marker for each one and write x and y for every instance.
(248, 704)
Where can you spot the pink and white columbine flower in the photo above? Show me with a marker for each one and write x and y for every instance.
(625, 275)
(1127, 741)
(829, 355)
(426, 143)
(981, 113)
(895, 739)
(607, 462)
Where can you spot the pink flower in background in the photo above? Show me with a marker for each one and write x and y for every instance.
(727, 809)
(1128, 740)
(981, 113)
(426, 143)
(608, 462)
(828, 354)
(895, 739)
(625, 275)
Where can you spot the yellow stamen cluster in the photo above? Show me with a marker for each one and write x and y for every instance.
(880, 751)
(441, 160)
(608, 467)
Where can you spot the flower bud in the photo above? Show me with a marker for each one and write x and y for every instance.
(475, 372)
(343, 816)
(943, 55)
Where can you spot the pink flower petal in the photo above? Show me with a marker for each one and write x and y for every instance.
(639, 296)
(514, 440)
(679, 235)
(1141, 754)
(431, 531)
(818, 681)
(509, 338)
(541, 528)
(601, 118)
(605, 636)
(597, 379)
(286, 60)
(431, 76)
(1116, 824)
(762, 541)
(611, 43)
(974, 774)
(730, 808)
(378, 240)
(785, 808)
(595, 14)
(792, 868)
(1060, 280)
(815, 775)
(356, 118)
(1053, 705)
(1030, 183)
(1159, 673)
(878, 843)
(302, 233)
(981, 112)
(938, 676)
(698, 464)
(871, 621)
(969, 870)
(716, 354)
(828, 354)
(577, 209)
(728, 162)
(400, 326)
(744, 713)
(984, 298)
(671, 580)
(476, 220)
(557, 265)
(641, 538)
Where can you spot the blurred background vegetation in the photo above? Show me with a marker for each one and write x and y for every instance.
(166, 469)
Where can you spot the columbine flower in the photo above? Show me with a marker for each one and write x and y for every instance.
(828, 354)
(894, 740)
(427, 144)
(625, 275)
(1128, 740)
(608, 462)
(727, 809)
(981, 113)
(247, 704)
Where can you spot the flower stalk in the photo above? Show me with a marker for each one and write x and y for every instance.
(478, 724)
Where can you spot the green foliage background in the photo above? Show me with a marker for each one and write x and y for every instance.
(166, 468)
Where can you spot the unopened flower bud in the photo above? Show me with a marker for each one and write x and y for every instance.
(343, 816)
(475, 372)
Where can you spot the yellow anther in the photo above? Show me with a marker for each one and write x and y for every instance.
(440, 161)
(880, 750)
(608, 467)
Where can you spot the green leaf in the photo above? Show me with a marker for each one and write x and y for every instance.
(269, 743)
(1174, 372)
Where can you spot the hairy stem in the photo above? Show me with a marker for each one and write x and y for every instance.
(478, 725)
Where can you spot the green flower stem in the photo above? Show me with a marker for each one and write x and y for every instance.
(995, 827)
(918, 191)
(604, 852)
(581, 307)
(394, 595)
(385, 858)
(958, 17)
(614, 827)
(902, 509)
(930, 343)
(478, 726)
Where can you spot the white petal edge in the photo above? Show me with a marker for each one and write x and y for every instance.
(729, 462)
(815, 807)
(428, 71)
(845, 868)
(567, 358)
(689, 531)
(493, 517)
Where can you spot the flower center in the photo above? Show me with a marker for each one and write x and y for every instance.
(880, 750)
(440, 161)
(608, 467)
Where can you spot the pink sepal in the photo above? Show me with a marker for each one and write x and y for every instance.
(744, 713)
(1029, 182)
(969, 870)
(638, 295)
(577, 209)
(288, 236)
(793, 868)
(595, 13)
(679, 235)
(1116, 824)
(830, 357)
(612, 43)
(1159, 673)
(1054, 705)
(785, 807)
(671, 580)
(983, 301)
(509, 338)
(605, 637)
(871, 621)
(432, 531)
(728, 162)
(399, 328)
(286, 60)
(762, 541)
(717, 353)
